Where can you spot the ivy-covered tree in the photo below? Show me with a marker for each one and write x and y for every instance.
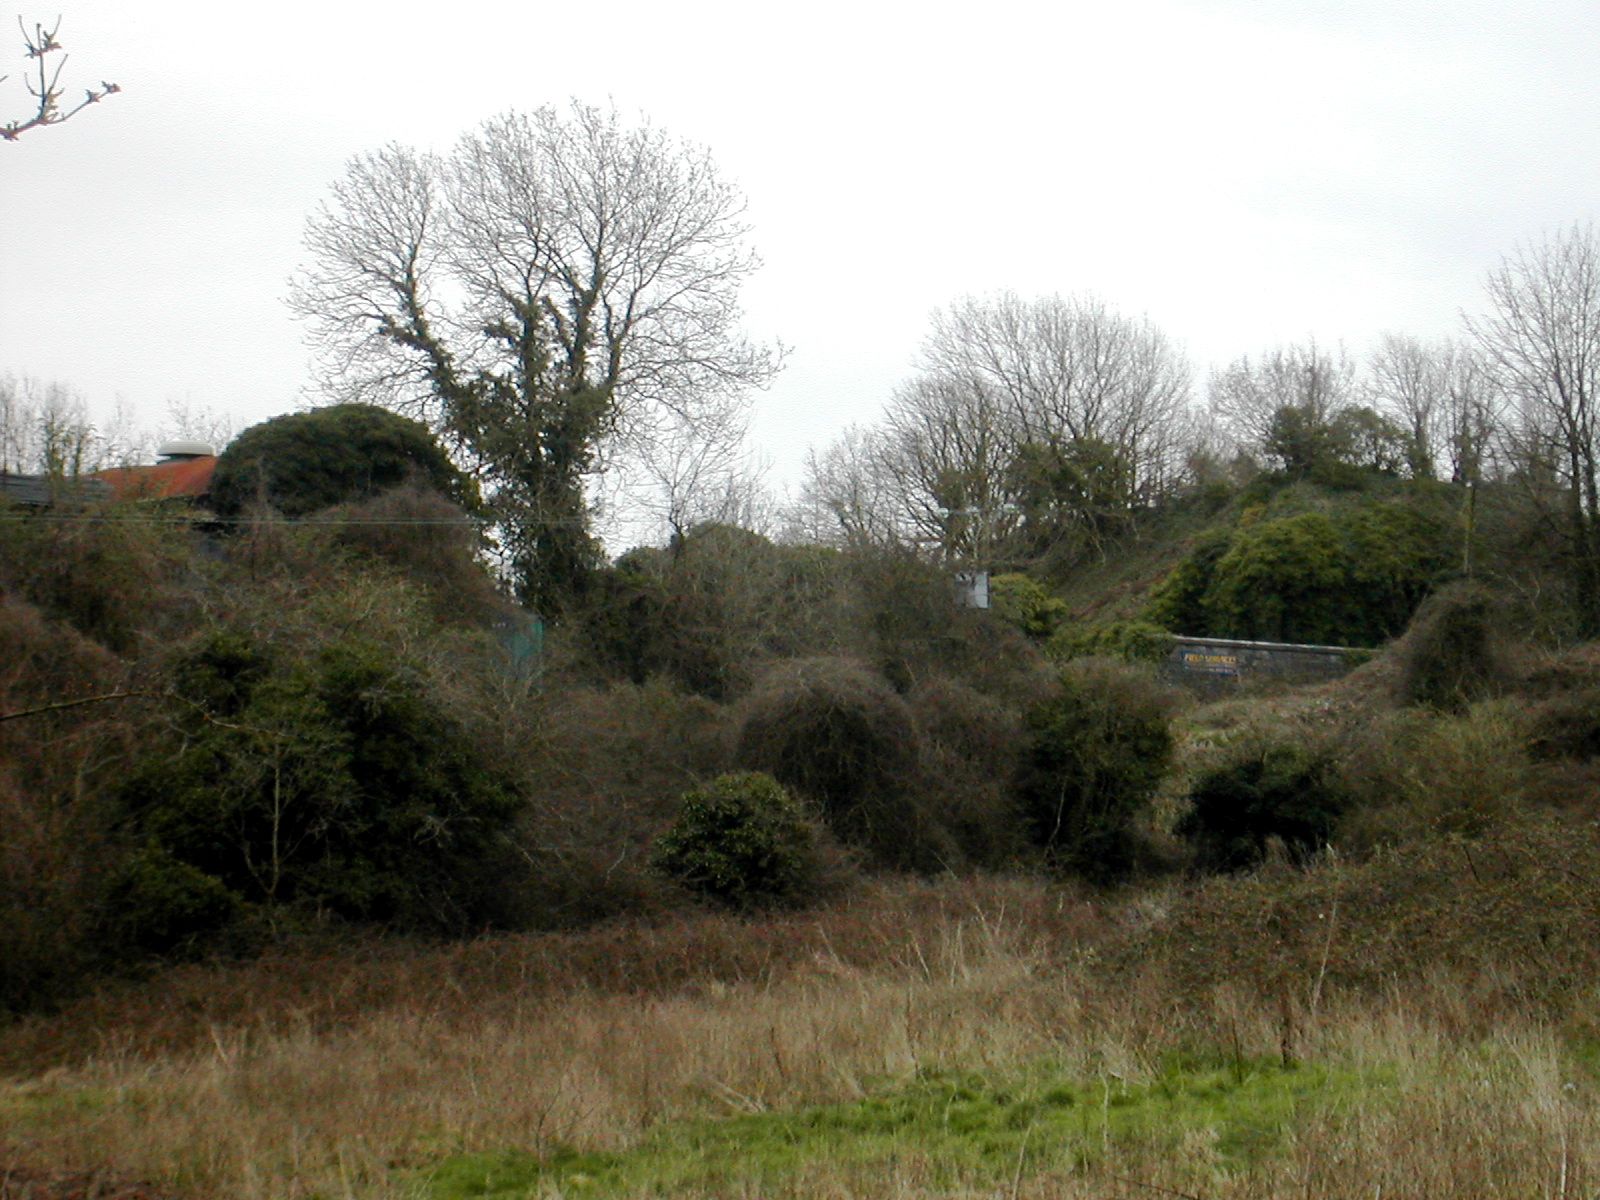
(559, 288)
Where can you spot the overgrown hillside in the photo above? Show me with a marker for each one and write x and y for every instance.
(774, 870)
(1285, 560)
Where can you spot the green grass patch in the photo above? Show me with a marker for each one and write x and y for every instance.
(967, 1129)
(37, 1106)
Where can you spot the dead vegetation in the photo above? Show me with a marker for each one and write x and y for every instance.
(340, 1074)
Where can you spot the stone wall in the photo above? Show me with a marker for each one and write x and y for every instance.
(1216, 662)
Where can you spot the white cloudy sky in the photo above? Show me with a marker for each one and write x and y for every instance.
(1243, 173)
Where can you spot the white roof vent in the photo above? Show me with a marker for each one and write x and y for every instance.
(182, 451)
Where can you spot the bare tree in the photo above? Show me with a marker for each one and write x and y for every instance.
(548, 293)
(692, 474)
(1047, 420)
(1444, 397)
(187, 421)
(1303, 387)
(1068, 370)
(44, 84)
(1541, 339)
(45, 429)
(845, 498)
(946, 455)
(1473, 416)
(1409, 379)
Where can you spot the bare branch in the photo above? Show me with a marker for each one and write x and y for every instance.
(1247, 396)
(60, 705)
(46, 89)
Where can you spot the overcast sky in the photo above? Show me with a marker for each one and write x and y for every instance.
(1245, 174)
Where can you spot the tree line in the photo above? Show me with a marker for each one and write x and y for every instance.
(558, 296)
(1034, 432)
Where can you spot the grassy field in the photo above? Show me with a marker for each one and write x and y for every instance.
(1416, 1019)
(983, 1038)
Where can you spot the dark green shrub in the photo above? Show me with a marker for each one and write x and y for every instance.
(219, 676)
(334, 781)
(1178, 601)
(1282, 581)
(1131, 641)
(303, 462)
(1350, 576)
(742, 842)
(1454, 652)
(1027, 605)
(1278, 790)
(836, 733)
(1096, 752)
(161, 905)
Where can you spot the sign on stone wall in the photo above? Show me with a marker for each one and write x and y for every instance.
(1209, 662)
(1214, 660)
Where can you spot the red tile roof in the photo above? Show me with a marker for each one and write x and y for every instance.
(186, 478)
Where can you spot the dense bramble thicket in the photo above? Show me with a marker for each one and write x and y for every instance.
(839, 735)
(331, 781)
(1096, 752)
(239, 736)
(1455, 652)
(1277, 790)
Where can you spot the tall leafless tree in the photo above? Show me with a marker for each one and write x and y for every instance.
(947, 454)
(1409, 381)
(688, 476)
(1541, 338)
(846, 498)
(1250, 398)
(558, 286)
(1444, 397)
(45, 429)
(1029, 413)
(1066, 369)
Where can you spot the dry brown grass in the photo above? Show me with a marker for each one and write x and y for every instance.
(894, 925)
(349, 1074)
(1453, 974)
(327, 1079)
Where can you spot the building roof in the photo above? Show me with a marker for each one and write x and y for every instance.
(183, 478)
